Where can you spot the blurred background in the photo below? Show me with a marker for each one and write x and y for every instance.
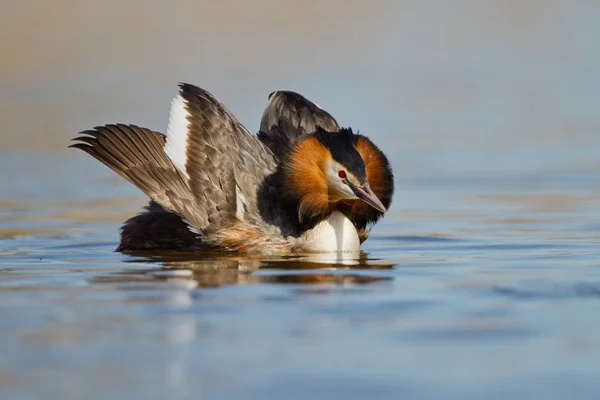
(488, 111)
(518, 81)
(499, 73)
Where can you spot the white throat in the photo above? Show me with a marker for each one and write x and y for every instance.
(335, 234)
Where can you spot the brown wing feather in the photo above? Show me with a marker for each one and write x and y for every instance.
(226, 164)
(120, 148)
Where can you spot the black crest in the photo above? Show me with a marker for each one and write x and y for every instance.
(341, 146)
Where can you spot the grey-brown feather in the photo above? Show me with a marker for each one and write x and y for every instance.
(117, 146)
(289, 117)
(222, 154)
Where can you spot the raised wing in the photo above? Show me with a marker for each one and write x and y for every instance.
(289, 116)
(224, 164)
(208, 168)
(137, 155)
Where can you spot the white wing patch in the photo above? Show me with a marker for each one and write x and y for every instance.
(177, 134)
(192, 228)
(240, 203)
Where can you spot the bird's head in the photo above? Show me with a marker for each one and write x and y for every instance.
(345, 169)
(326, 169)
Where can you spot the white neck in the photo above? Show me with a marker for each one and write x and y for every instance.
(335, 234)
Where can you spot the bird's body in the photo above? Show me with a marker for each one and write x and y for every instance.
(301, 185)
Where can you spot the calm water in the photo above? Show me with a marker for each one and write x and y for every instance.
(482, 280)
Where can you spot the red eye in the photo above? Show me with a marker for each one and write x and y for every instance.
(342, 174)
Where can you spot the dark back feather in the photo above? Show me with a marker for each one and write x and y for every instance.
(288, 117)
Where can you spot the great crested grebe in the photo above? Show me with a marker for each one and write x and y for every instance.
(303, 184)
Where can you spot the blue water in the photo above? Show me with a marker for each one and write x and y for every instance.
(483, 279)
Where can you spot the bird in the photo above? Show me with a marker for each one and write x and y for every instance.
(302, 184)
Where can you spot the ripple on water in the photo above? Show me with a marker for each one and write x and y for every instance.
(525, 291)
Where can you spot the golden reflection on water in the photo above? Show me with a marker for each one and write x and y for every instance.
(211, 270)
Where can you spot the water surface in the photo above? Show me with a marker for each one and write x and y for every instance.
(482, 280)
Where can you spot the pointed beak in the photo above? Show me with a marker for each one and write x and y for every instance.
(367, 195)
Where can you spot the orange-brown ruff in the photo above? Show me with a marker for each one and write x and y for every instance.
(306, 179)
(302, 184)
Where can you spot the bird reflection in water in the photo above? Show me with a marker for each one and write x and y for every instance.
(188, 271)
